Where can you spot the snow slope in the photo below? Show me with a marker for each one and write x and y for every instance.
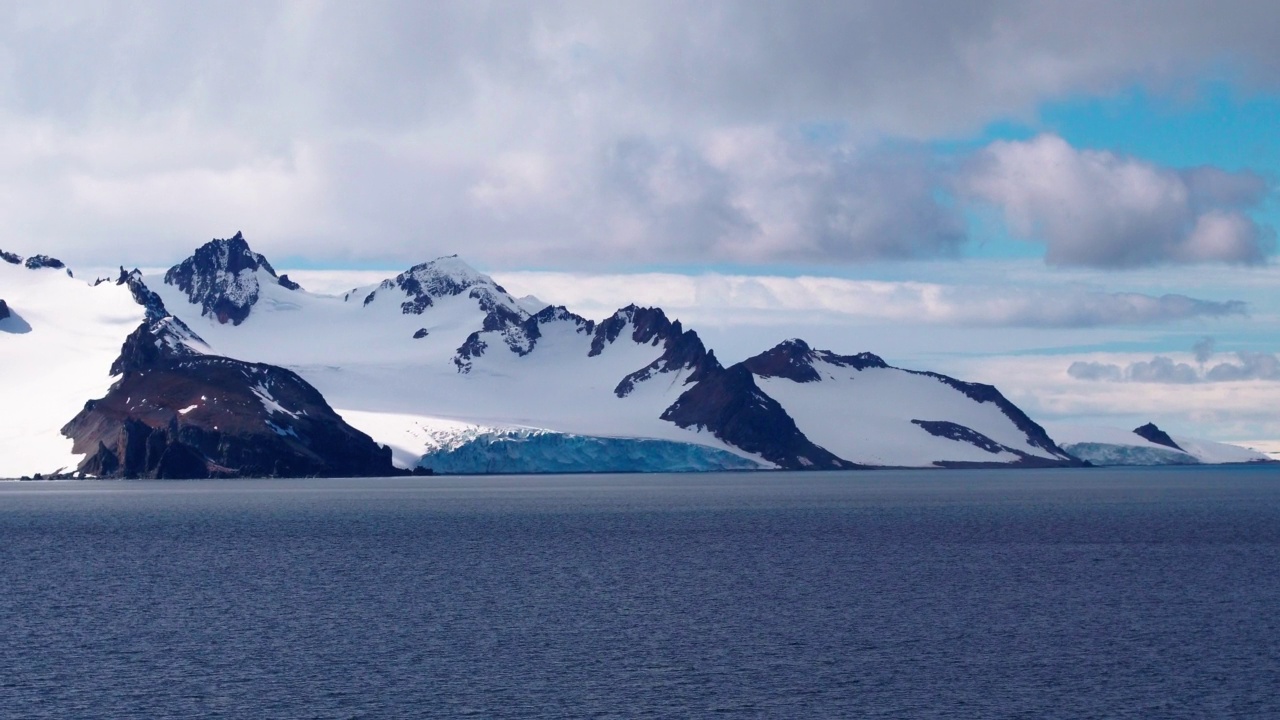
(56, 352)
(869, 413)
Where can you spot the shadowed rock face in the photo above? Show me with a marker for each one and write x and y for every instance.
(1154, 434)
(221, 277)
(4, 310)
(10, 258)
(207, 416)
(729, 404)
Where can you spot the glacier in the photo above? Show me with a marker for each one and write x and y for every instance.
(512, 451)
(1109, 454)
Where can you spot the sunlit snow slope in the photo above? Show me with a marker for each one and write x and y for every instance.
(56, 349)
(863, 410)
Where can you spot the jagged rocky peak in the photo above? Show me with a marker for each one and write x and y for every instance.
(445, 277)
(1154, 434)
(161, 335)
(794, 360)
(648, 325)
(223, 278)
(682, 350)
(4, 309)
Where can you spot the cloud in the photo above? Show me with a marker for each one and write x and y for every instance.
(780, 300)
(1161, 369)
(1100, 209)
(1203, 349)
(562, 133)
(1040, 385)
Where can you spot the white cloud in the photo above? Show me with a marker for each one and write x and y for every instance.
(566, 133)
(776, 300)
(1099, 209)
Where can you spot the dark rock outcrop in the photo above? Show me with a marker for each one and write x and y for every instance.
(11, 322)
(960, 433)
(729, 404)
(1154, 434)
(420, 333)
(222, 278)
(793, 360)
(10, 258)
(177, 413)
(207, 416)
(36, 262)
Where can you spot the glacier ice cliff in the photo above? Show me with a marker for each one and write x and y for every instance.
(540, 451)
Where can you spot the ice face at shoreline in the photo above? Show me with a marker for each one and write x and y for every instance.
(536, 451)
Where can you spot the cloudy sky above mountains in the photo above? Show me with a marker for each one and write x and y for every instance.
(1005, 189)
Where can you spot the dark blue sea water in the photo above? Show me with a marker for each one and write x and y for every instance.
(1082, 594)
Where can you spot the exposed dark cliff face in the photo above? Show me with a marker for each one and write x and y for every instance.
(176, 413)
(793, 360)
(10, 258)
(206, 416)
(222, 278)
(1154, 434)
(4, 310)
(729, 404)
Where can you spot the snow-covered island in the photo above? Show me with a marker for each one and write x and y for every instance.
(220, 367)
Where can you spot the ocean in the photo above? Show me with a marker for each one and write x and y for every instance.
(1096, 593)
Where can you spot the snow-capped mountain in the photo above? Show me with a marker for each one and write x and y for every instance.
(441, 360)
(1148, 445)
(870, 413)
(221, 366)
(175, 409)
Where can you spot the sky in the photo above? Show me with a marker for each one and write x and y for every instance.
(1075, 201)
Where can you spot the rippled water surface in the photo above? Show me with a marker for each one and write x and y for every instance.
(1086, 593)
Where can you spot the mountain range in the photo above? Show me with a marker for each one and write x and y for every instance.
(222, 367)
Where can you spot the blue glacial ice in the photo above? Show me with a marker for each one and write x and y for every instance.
(537, 451)
(1108, 454)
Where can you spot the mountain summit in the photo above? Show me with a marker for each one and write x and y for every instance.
(223, 277)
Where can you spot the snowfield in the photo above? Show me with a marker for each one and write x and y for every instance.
(865, 416)
(58, 347)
